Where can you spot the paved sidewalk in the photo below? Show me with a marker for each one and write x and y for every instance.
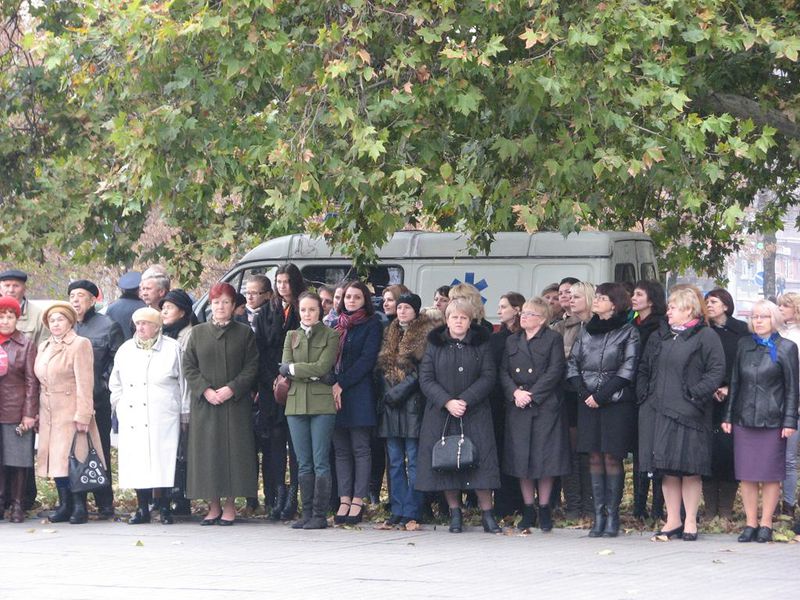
(261, 560)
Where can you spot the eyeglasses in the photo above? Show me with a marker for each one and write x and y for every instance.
(254, 293)
(528, 315)
(760, 317)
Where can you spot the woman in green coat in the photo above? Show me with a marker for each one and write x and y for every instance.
(220, 365)
(309, 354)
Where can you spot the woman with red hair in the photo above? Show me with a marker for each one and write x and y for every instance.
(220, 365)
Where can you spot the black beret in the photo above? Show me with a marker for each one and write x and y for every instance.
(412, 300)
(179, 298)
(84, 284)
(14, 274)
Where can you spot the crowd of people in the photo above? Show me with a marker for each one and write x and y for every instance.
(324, 393)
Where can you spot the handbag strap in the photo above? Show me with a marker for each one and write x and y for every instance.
(447, 422)
(75, 439)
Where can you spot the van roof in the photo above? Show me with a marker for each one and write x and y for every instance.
(430, 244)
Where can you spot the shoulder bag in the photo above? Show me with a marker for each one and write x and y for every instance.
(88, 475)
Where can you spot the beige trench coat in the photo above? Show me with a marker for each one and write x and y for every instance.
(66, 373)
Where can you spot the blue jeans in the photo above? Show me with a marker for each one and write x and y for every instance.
(311, 437)
(405, 500)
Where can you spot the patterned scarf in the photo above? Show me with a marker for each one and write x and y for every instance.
(769, 343)
(145, 344)
(348, 320)
(688, 325)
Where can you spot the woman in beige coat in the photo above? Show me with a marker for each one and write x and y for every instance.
(65, 369)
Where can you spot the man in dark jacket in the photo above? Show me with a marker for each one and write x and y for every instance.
(122, 310)
(106, 337)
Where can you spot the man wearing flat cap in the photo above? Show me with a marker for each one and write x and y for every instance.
(106, 337)
(122, 309)
(13, 283)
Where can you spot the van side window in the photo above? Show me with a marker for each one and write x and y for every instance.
(625, 272)
(380, 276)
(648, 271)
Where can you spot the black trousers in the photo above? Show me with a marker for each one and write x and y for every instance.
(104, 498)
(274, 461)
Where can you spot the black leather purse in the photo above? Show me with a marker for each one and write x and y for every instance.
(88, 475)
(454, 452)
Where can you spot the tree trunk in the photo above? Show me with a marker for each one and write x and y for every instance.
(770, 248)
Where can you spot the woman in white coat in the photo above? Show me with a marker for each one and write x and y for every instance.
(151, 398)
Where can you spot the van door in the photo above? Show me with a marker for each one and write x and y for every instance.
(491, 278)
(645, 253)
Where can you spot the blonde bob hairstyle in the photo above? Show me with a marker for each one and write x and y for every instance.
(540, 305)
(791, 299)
(470, 293)
(586, 289)
(686, 298)
(461, 305)
(776, 320)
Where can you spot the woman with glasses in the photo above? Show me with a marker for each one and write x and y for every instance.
(602, 369)
(761, 412)
(537, 441)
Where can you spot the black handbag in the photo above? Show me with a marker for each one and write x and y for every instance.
(181, 470)
(454, 452)
(88, 475)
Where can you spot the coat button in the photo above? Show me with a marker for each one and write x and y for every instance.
(460, 369)
(530, 370)
(517, 369)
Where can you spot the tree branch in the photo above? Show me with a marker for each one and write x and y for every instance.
(745, 108)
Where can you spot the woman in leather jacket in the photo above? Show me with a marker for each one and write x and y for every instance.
(761, 412)
(602, 369)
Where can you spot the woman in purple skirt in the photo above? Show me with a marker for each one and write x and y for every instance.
(762, 413)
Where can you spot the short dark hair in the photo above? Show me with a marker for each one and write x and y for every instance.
(655, 294)
(443, 290)
(618, 295)
(569, 280)
(312, 296)
(261, 280)
(725, 297)
(326, 288)
(553, 287)
(296, 282)
(369, 307)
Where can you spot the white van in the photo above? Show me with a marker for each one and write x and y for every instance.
(423, 261)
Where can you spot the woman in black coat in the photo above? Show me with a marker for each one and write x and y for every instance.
(271, 324)
(537, 438)
(719, 490)
(650, 305)
(602, 369)
(457, 375)
(682, 369)
(360, 334)
(761, 412)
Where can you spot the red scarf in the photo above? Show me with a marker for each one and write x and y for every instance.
(348, 320)
(4, 338)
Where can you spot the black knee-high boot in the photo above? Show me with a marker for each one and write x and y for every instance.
(142, 514)
(599, 500)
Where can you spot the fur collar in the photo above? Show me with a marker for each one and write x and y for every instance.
(476, 336)
(402, 351)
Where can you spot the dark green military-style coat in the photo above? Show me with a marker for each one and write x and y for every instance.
(222, 451)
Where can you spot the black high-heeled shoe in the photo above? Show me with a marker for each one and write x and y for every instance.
(456, 520)
(669, 534)
(689, 537)
(748, 534)
(355, 519)
(341, 519)
(764, 535)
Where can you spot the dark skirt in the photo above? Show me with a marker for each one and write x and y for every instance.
(536, 442)
(680, 450)
(759, 454)
(609, 429)
(571, 403)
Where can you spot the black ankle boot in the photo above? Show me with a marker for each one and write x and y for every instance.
(599, 501)
(290, 505)
(545, 518)
(79, 513)
(456, 520)
(528, 517)
(277, 507)
(488, 522)
(139, 517)
(63, 511)
(614, 487)
(142, 514)
(165, 512)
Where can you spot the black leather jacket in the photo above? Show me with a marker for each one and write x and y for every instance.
(764, 393)
(106, 337)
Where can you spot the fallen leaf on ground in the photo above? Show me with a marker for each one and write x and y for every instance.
(49, 531)
(412, 526)
(606, 552)
(384, 527)
(30, 531)
(139, 543)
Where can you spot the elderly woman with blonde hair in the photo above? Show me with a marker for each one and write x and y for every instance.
(681, 369)
(151, 398)
(762, 414)
(65, 369)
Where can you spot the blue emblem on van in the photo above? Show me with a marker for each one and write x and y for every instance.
(470, 278)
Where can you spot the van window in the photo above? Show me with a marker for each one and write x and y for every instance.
(380, 276)
(648, 271)
(625, 272)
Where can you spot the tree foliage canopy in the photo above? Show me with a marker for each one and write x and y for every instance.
(241, 119)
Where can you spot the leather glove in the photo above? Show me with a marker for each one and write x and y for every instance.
(284, 369)
(328, 379)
